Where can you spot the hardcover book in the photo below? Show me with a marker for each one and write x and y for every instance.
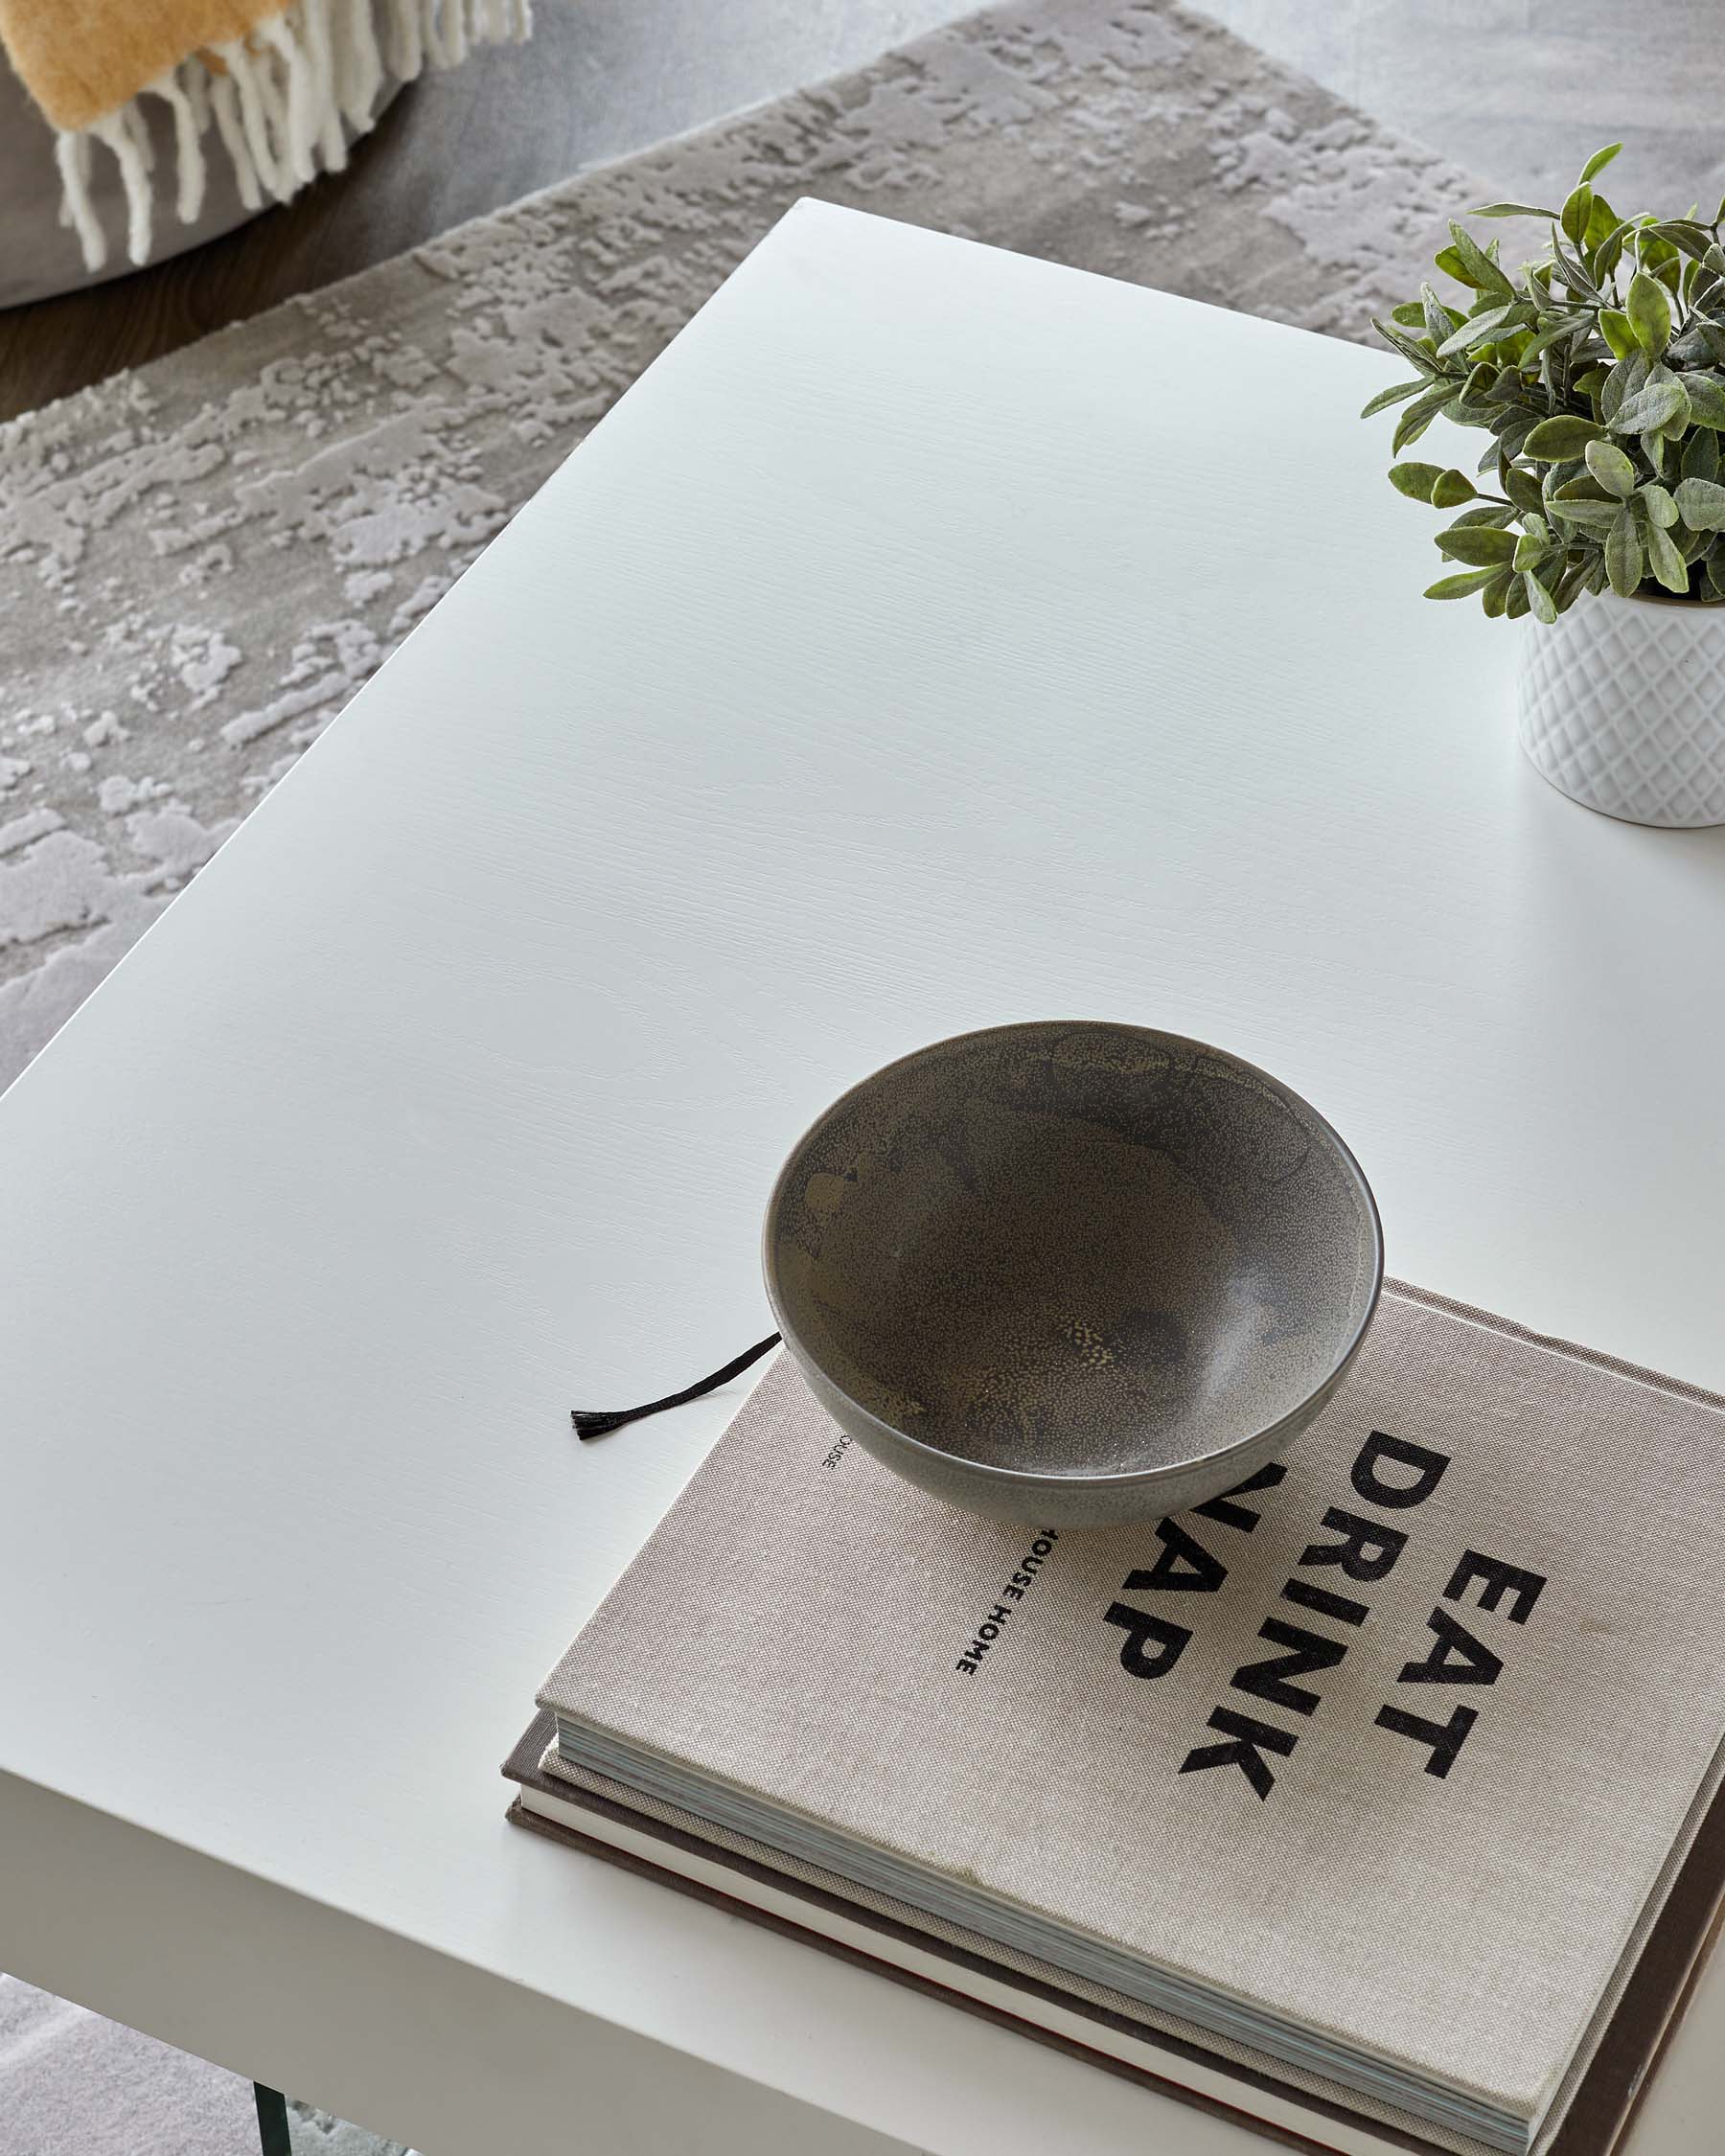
(1371, 1799)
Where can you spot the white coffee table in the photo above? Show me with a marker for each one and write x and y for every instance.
(934, 637)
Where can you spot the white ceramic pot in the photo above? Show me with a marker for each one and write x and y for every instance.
(1622, 707)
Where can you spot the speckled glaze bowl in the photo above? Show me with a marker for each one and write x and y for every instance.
(1073, 1274)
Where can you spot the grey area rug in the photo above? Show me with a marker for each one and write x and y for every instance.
(73, 2084)
(202, 561)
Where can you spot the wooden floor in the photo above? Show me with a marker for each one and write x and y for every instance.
(1517, 89)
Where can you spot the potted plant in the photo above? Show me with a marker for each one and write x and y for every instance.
(1598, 508)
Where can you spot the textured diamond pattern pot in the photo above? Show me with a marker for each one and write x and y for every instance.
(1623, 708)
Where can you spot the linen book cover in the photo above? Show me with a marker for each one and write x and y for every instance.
(1376, 1766)
(969, 1970)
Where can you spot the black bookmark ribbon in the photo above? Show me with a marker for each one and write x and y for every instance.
(594, 1422)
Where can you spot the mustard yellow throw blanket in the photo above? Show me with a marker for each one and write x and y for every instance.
(282, 86)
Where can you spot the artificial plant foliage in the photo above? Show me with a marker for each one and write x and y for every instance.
(1598, 370)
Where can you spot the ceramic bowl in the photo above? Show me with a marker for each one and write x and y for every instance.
(1073, 1274)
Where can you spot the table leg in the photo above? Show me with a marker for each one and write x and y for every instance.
(273, 2137)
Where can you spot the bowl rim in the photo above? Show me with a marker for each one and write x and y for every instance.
(1049, 1479)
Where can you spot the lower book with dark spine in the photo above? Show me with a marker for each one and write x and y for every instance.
(1375, 1802)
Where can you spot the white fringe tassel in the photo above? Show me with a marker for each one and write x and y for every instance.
(188, 149)
(113, 128)
(359, 67)
(224, 104)
(281, 105)
(72, 153)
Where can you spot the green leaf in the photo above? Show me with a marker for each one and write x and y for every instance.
(1614, 327)
(1396, 394)
(1493, 596)
(1506, 387)
(1603, 220)
(1575, 213)
(1439, 320)
(1484, 327)
(1459, 587)
(1607, 248)
(1415, 480)
(1513, 438)
(1574, 273)
(1450, 488)
(1701, 454)
(1565, 326)
(1685, 235)
(1568, 435)
(1612, 468)
(1417, 416)
(1715, 572)
(1486, 512)
(1668, 563)
(1660, 509)
(1415, 355)
(1600, 159)
(1629, 375)
(1522, 488)
(1706, 394)
(1597, 515)
(1481, 546)
(1624, 554)
(1544, 606)
(1701, 504)
(1452, 266)
(1513, 209)
(1483, 273)
(1649, 313)
(1409, 315)
(1652, 410)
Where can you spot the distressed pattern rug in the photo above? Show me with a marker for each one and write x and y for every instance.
(73, 2084)
(200, 561)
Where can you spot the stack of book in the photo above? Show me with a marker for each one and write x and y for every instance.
(1377, 1800)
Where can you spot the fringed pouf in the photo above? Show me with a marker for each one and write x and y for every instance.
(129, 134)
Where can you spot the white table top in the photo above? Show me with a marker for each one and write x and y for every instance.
(934, 637)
